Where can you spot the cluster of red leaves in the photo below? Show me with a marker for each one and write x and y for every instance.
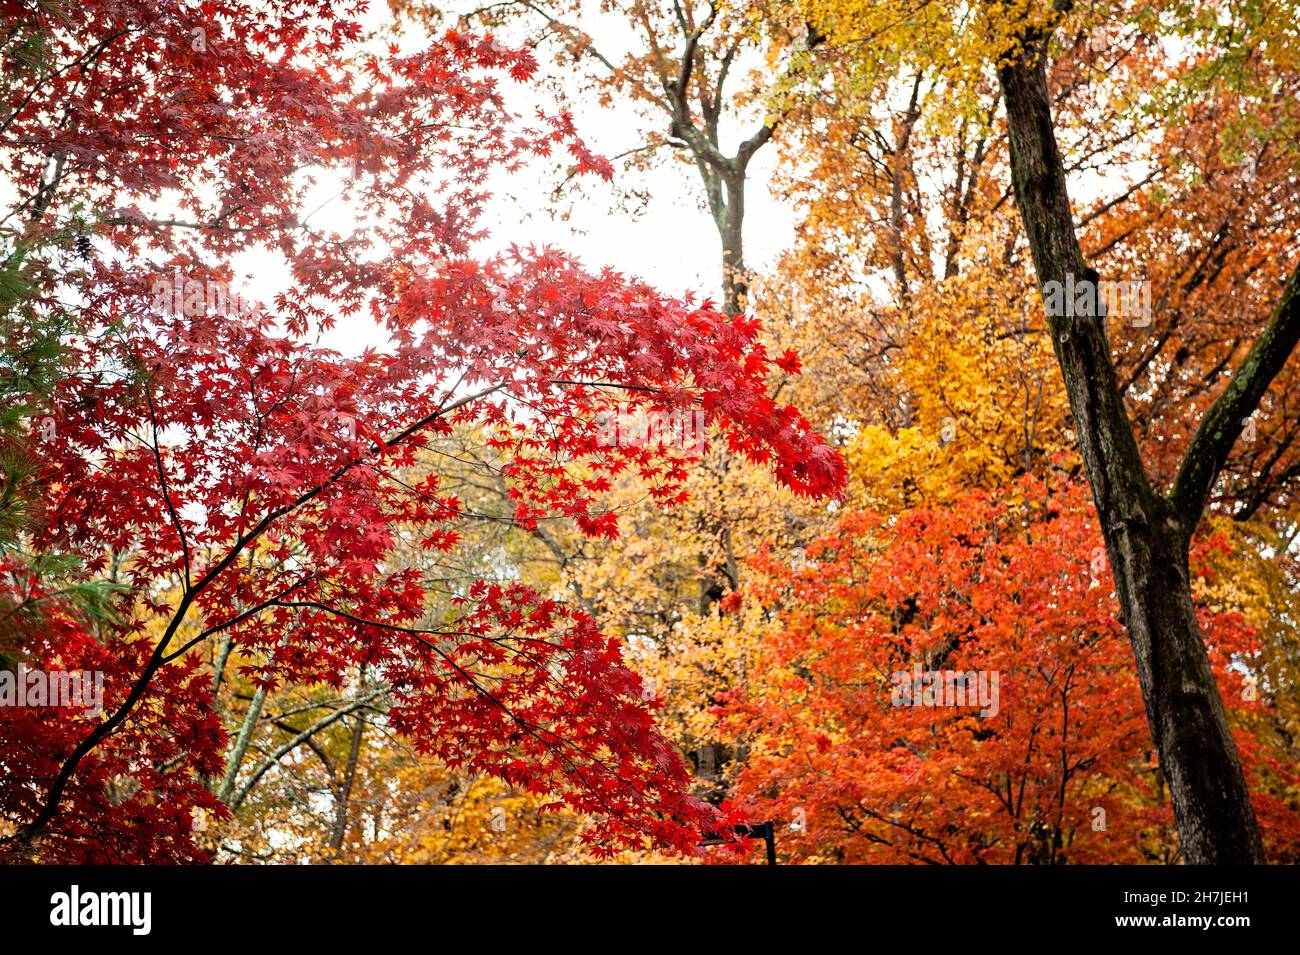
(252, 485)
(135, 803)
(1014, 584)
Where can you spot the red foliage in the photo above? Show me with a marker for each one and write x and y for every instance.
(266, 478)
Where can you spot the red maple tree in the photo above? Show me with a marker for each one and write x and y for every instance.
(235, 479)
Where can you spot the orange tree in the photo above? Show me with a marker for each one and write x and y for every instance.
(1175, 124)
(1042, 756)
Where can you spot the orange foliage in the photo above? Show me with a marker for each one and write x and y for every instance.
(1047, 759)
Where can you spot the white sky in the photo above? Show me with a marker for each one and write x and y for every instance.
(671, 243)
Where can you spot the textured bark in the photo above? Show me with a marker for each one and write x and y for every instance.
(1146, 534)
(344, 795)
(344, 798)
(735, 284)
(240, 749)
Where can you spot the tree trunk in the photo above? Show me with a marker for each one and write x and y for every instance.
(237, 752)
(344, 795)
(735, 282)
(1146, 536)
(340, 828)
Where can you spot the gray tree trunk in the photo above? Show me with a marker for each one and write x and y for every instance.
(1146, 533)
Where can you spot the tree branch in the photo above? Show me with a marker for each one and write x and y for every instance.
(290, 745)
(1223, 423)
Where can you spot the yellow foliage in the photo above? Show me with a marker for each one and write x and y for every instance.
(983, 398)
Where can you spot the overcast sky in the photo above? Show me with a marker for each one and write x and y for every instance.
(671, 243)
